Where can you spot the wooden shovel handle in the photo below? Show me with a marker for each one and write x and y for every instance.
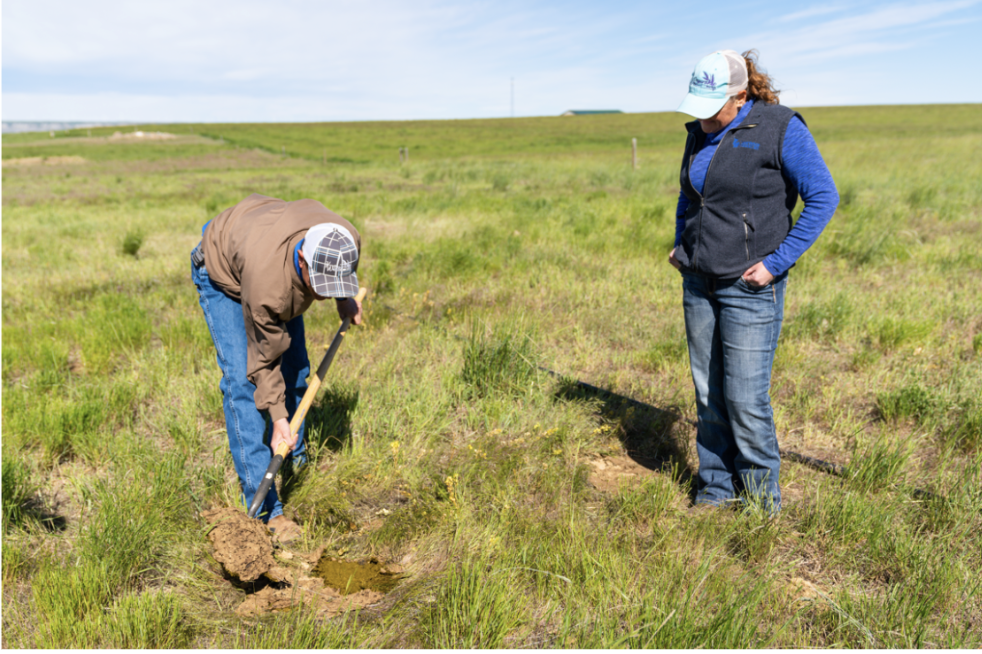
(318, 376)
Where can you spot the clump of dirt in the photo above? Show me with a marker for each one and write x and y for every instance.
(242, 544)
(306, 591)
(349, 577)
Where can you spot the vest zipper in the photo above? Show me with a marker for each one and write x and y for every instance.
(746, 236)
(702, 204)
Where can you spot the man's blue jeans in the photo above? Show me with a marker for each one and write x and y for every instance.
(732, 330)
(248, 437)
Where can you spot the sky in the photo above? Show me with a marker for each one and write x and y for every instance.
(325, 60)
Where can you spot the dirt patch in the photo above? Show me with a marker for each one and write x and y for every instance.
(306, 591)
(349, 577)
(43, 161)
(242, 544)
(244, 548)
(802, 590)
(608, 473)
(142, 136)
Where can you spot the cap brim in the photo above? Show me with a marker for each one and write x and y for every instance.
(336, 287)
(701, 108)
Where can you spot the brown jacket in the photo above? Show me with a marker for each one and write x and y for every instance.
(249, 253)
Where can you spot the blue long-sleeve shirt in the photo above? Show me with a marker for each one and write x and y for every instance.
(802, 165)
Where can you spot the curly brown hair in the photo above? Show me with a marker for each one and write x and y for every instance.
(760, 86)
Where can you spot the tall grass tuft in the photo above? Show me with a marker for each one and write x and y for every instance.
(755, 533)
(892, 332)
(477, 606)
(17, 491)
(66, 599)
(966, 431)
(501, 361)
(150, 620)
(132, 242)
(878, 465)
(304, 629)
(911, 402)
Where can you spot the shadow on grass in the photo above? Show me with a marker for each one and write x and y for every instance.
(327, 425)
(253, 587)
(36, 512)
(646, 430)
(329, 421)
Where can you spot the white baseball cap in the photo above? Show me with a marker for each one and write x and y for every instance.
(332, 256)
(717, 78)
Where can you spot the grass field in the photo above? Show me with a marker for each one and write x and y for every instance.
(528, 510)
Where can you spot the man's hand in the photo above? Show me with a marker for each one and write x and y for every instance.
(281, 434)
(672, 260)
(350, 308)
(758, 275)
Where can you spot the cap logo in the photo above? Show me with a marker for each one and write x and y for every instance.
(707, 80)
(333, 267)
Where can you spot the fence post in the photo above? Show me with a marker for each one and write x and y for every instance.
(407, 154)
(634, 154)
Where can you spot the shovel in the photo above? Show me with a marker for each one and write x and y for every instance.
(301, 413)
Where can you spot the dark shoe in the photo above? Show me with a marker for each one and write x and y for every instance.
(285, 531)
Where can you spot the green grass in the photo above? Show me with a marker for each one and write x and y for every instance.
(438, 441)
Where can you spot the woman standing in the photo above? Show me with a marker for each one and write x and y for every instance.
(747, 159)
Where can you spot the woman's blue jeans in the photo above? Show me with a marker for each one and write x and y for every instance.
(732, 330)
(248, 436)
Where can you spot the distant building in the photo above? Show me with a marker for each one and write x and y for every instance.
(590, 112)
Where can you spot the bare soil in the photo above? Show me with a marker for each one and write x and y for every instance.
(244, 548)
(43, 161)
(306, 591)
(607, 473)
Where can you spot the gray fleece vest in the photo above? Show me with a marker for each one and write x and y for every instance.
(744, 212)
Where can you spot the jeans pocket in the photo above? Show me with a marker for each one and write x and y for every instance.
(756, 289)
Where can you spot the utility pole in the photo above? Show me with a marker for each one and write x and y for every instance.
(512, 97)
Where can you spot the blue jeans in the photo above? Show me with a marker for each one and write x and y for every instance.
(248, 436)
(732, 331)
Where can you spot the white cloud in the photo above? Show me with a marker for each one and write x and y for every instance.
(333, 60)
(811, 12)
(882, 29)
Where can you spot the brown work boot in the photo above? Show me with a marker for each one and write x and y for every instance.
(285, 531)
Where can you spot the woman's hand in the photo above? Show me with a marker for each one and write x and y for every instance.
(281, 434)
(758, 275)
(672, 260)
(350, 308)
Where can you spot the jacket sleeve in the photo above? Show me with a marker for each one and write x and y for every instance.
(803, 165)
(267, 341)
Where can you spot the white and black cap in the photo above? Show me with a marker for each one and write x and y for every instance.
(332, 258)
